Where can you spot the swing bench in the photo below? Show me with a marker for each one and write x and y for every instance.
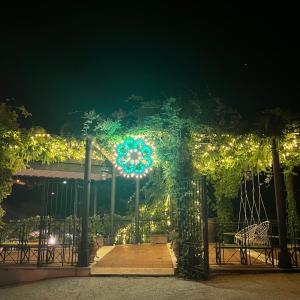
(254, 236)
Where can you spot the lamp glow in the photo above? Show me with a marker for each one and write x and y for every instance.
(52, 240)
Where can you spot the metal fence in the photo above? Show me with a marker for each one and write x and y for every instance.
(55, 242)
(44, 241)
(230, 250)
(125, 229)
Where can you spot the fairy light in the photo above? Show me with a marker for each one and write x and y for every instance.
(104, 152)
(46, 135)
(52, 240)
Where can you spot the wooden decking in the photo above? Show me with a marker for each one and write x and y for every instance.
(144, 259)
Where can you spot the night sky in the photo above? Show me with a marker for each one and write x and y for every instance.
(61, 59)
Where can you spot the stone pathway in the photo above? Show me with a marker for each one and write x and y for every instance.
(259, 286)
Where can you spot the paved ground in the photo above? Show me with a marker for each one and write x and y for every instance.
(267, 286)
(137, 256)
(144, 259)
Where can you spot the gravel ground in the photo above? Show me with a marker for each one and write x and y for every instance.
(266, 286)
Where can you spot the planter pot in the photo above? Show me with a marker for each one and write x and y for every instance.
(158, 238)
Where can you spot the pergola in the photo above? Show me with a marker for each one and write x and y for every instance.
(90, 171)
(87, 172)
(67, 171)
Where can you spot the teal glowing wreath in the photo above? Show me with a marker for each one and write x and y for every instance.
(134, 157)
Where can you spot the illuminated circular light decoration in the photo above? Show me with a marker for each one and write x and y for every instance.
(134, 157)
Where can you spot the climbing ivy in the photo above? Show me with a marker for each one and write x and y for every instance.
(19, 147)
(188, 144)
(216, 147)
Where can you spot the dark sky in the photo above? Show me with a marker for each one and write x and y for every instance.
(60, 59)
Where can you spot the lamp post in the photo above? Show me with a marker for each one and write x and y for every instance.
(134, 159)
(112, 204)
(137, 213)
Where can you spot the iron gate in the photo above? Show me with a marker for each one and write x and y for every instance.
(192, 228)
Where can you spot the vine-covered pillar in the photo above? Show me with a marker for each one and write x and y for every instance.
(284, 257)
(190, 261)
(83, 255)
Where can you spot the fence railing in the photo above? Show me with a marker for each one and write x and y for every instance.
(125, 230)
(250, 244)
(42, 242)
(55, 242)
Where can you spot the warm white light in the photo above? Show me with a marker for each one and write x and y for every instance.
(52, 240)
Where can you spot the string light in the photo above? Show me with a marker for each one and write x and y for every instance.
(47, 135)
(105, 153)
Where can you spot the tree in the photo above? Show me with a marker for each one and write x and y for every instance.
(10, 143)
(19, 146)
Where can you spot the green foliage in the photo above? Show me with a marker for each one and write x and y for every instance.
(13, 229)
(163, 127)
(223, 158)
(206, 138)
(213, 137)
(154, 219)
(224, 210)
(104, 130)
(289, 149)
(9, 147)
(166, 129)
(19, 147)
